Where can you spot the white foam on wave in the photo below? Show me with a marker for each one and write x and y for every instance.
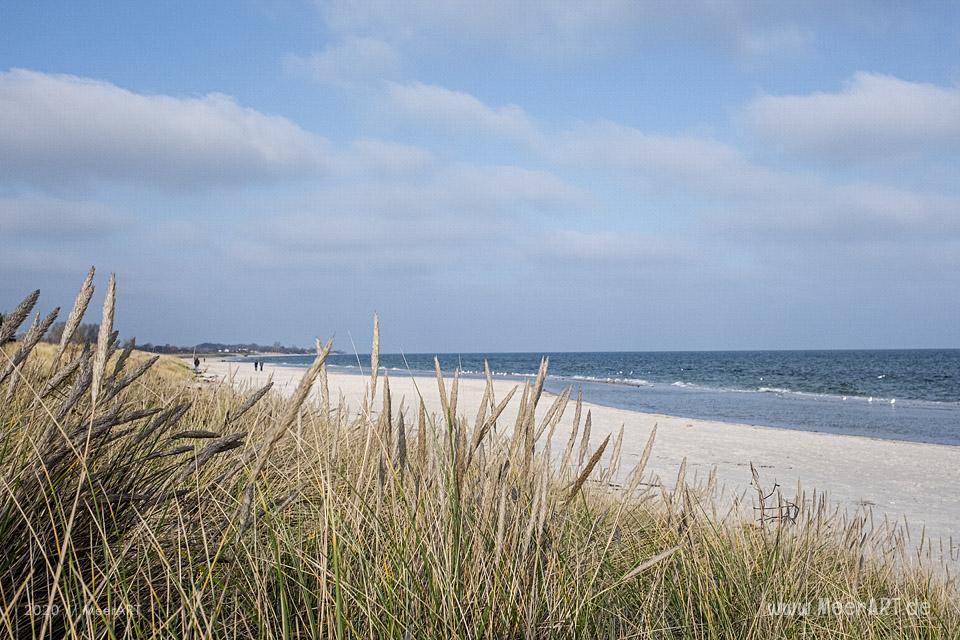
(633, 382)
(829, 396)
(781, 390)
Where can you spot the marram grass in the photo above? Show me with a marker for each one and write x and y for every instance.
(136, 502)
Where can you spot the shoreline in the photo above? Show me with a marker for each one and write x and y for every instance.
(916, 481)
(922, 421)
(337, 370)
(625, 381)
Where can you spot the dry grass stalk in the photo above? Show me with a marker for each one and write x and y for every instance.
(541, 378)
(122, 358)
(421, 438)
(444, 400)
(678, 488)
(554, 414)
(574, 431)
(13, 320)
(655, 560)
(385, 432)
(489, 377)
(293, 409)
(636, 475)
(103, 338)
(63, 374)
(30, 339)
(521, 414)
(76, 314)
(611, 473)
(481, 417)
(386, 416)
(247, 404)
(582, 478)
(80, 385)
(324, 392)
(454, 391)
(375, 357)
(585, 440)
(401, 461)
(130, 377)
(481, 432)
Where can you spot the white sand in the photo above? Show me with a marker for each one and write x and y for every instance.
(920, 482)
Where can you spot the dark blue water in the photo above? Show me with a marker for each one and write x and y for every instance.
(898, 394)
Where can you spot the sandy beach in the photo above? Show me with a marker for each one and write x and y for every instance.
(915, 481)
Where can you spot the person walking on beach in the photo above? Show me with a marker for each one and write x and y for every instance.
(196, 362)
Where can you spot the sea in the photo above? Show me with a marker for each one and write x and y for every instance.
(911, 395)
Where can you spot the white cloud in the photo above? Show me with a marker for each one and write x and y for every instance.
(661, 162)
(874, 116)
(458, 112)
(575, 28)
(739, 193)
(614, 248)
(527, 26)
(431, 221)
(786, 39)
(856, 212)
(743, 196)
(45, 218)
(354, 60)
(368, 157)
(495, 191)
(60, 128)
(512, 189)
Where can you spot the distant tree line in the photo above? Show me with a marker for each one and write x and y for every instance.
(220, 347)
(85, 333)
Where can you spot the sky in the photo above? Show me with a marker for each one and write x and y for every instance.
(495, 176)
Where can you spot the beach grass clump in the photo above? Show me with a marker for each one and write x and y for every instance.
(144, 503)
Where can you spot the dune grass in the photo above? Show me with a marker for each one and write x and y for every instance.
(137, 502)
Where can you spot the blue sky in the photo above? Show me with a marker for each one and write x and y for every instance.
(490, 176)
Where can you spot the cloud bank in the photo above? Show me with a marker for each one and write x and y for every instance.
(350, 61)
(874, 116)
(61, 128)
(568, 28)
